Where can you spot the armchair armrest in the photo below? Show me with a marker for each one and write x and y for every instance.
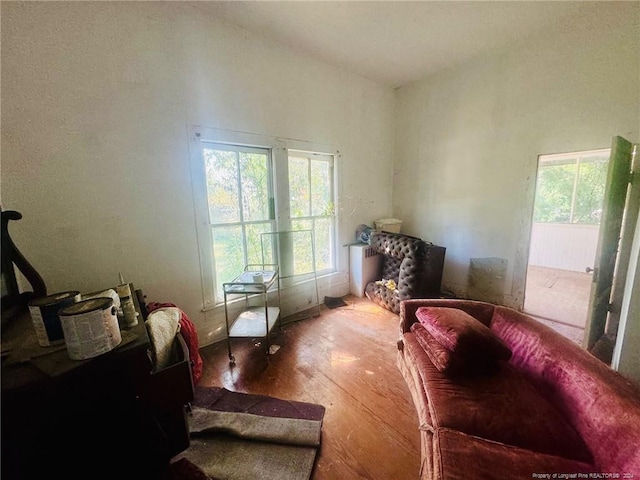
(411, 277)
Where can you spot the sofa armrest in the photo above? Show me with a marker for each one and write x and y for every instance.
(601, 404)
(408, 314)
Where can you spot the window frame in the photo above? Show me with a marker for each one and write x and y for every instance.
(279, 147)
(330, 159)
(241, 221)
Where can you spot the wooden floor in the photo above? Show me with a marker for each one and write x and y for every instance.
(559, 299)
(560, 295)
(344, 359)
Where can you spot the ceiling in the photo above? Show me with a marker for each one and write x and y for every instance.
(396, 42)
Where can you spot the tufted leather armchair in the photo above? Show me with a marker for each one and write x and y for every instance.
(413, 264)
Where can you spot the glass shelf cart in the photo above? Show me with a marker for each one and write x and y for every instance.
(256, 283)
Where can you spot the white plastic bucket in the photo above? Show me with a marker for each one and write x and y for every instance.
(392, 225)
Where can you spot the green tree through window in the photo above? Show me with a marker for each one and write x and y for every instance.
(241, 208)
(238, 192)
(570, 189)
(312, 208)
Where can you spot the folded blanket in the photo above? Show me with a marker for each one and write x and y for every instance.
(163, 325)
(289, 431)
(190, 335)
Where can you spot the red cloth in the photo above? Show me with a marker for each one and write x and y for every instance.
(188, 331)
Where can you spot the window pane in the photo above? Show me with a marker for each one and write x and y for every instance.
(321, 203)
(311, 192)
(553, 193)
(222, 185)
(269, 246)
(255, 190)
(301, 247)
(324, 246)
(228, 254)
(255, 240)
(590, 192)
(299, 191)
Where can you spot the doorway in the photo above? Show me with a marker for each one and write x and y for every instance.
(565, 227)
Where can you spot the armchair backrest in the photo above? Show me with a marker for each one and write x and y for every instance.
(403, 261)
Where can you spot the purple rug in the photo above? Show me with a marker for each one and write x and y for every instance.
(223, 400)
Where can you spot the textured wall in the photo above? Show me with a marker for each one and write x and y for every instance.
(97, 100)
(468, 139)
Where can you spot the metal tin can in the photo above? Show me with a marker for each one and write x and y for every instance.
(90, 328)
(44, 315)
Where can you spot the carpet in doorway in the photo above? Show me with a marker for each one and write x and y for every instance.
(238, 436)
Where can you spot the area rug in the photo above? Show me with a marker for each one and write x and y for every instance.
(238, 436)
(334, 302)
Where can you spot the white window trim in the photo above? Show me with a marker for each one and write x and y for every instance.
(279, 153)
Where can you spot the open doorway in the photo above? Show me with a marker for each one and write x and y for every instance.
(564, 237)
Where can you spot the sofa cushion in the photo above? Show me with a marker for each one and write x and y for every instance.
(459, 332)
(458, 456)
(384, 297)
(453, 363)
(503, 407)
(481, 311)
(442, 358)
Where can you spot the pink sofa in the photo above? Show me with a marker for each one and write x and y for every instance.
(551, 408)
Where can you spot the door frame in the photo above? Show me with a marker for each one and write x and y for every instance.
(629, 246)
(575, 155)
(612, 261)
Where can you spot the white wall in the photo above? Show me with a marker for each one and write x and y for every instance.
(467, 139)
(97, 99)
(567, 246)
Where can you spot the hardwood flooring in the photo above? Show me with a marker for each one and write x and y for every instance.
(559, 299)
(559, 295)
(344, 359)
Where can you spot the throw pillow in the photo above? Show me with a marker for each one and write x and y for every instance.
(462, 334)
(442, 358)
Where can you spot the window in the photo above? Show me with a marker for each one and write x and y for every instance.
(312, 206)
(239, 198)
(570, 188)
(239, 204)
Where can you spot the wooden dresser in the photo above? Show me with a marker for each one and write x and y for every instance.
(107, 417)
